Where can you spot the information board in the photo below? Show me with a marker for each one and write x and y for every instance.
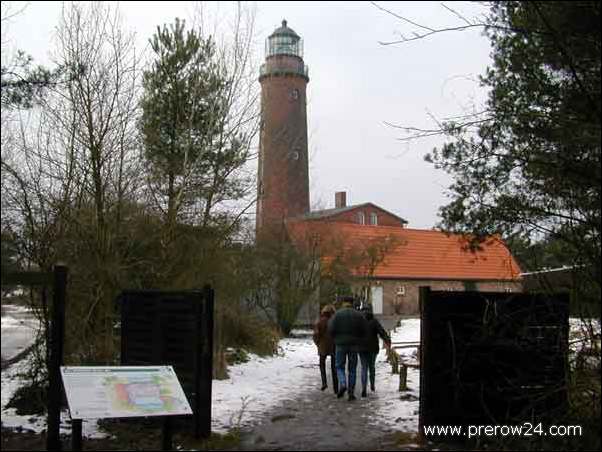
(124, 391)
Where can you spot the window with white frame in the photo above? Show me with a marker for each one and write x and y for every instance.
(374, 219)
(361, 218)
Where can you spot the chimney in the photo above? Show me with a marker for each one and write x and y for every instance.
(340, 199)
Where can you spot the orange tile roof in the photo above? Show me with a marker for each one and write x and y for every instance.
(408, 253)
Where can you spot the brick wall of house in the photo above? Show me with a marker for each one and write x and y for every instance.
(408, 303)
(351, 216)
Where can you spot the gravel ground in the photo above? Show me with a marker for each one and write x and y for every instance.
(319, 420)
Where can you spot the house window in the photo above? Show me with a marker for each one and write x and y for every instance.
(361, 218)
(373, 219)
(401, 291)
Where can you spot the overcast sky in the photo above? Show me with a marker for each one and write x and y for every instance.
(356, 85)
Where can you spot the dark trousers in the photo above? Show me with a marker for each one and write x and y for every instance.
(368, 360)
(333, 370)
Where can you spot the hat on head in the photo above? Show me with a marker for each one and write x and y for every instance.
(347, 300)
(328, 310)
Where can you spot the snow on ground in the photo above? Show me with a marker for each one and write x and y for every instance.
(12, 379)
(255, 387)
(19, 328)
(398, 410)
(262, 383)
(581, 332)
(259, 385)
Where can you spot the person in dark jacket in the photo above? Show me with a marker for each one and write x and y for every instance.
(348, 328)
(370, 349)
(325, 345)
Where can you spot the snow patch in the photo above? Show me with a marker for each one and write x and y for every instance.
(257, 386)
(261, 384)
(394, 409)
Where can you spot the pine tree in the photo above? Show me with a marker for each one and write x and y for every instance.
(532, 169)
(182, 109)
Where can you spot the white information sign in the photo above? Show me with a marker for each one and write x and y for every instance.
(124, 391)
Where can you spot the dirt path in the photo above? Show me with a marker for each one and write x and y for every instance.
(319, 421)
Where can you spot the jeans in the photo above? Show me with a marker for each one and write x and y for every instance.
(368, 360)
(342, 354)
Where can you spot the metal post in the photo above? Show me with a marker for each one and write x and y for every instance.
(424, 294)
(57, 336)
(205, 370)
(167, 434)
(76, 434)
(198, 365)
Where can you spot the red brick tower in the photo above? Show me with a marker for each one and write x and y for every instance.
(283, 179)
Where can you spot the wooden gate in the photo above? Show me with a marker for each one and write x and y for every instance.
(173, 328)
(491, 358)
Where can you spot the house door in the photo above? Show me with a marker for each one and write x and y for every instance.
(377, 299)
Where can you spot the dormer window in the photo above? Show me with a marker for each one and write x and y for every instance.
(361, 218)
(374, 219)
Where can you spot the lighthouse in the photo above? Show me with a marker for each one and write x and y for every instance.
(283, 174)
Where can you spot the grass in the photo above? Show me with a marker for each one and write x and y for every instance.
(145, 434)
(126, 437)
(404, 438)
(216, 441)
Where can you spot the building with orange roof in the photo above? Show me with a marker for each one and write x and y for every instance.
(387, 262)
(384, 261)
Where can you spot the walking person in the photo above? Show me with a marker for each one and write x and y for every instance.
(347, 328)
(325, 345)
(370, 349)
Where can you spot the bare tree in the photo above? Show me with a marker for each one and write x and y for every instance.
(239, 122)
(76, 166)
(96, 113)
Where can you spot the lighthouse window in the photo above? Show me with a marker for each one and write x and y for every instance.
(283, 45)
(295, 94)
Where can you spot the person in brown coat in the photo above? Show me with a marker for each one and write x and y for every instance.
(325, 345)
